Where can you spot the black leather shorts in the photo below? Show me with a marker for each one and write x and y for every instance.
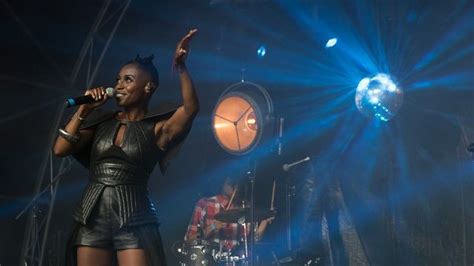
(103, 227)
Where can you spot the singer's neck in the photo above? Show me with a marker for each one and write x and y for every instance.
(133, 114)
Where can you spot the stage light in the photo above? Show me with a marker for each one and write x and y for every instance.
(331, 42)
(240, 117)
(379, 97)
(262, 51)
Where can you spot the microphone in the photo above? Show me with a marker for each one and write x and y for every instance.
(87, 98)
(287, 167)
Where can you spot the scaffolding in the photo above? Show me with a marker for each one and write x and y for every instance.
(87, 65)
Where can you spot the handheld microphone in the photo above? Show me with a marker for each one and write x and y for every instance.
(87, 98)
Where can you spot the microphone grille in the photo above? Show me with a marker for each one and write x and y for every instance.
(110, 91)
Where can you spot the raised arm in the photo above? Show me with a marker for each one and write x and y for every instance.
(182, 119)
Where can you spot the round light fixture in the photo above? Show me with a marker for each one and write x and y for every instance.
(240, 116)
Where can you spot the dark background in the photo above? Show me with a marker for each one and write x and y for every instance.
(401, 191)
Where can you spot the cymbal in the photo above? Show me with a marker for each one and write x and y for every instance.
(234, 215)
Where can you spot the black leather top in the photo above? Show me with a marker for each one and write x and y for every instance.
(127, 167)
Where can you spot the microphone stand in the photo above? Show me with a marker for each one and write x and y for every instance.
(289, 190)
(251, 176)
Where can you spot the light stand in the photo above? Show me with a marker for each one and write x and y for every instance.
(251, 176)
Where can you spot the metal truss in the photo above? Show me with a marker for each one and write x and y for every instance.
(86, 67)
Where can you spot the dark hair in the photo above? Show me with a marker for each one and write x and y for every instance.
(146, 64)
(239, 183)
(231, 180)
(235, 177)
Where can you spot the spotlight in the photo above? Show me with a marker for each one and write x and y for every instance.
(331, 42)
(240, 117)
(262, 51)
(378, 97)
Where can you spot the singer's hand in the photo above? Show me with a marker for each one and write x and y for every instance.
(182, 49)
(99, 95)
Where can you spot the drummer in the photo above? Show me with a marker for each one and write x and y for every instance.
(204, 226)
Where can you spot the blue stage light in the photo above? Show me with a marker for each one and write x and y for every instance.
(262, 51)
(331, 42)
(378, 97)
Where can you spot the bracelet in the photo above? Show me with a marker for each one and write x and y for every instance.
(81, 119)
(68, 136)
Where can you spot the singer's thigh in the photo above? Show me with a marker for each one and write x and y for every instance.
(133, 256)
(87, 256)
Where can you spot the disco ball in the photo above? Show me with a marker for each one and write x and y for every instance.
(378, 97)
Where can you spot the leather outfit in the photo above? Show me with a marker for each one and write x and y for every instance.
(126, 169)
(116, 197)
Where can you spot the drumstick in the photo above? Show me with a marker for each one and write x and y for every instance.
(273, 195)
(231, 199)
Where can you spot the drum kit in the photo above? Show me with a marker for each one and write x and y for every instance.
(202, 252)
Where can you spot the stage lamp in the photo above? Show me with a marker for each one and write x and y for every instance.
(331, 42)
(261, 51)
(241, 116)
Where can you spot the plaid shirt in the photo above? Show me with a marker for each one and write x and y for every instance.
(204, 212)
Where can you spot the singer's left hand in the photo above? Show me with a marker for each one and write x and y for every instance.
(182, 49)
